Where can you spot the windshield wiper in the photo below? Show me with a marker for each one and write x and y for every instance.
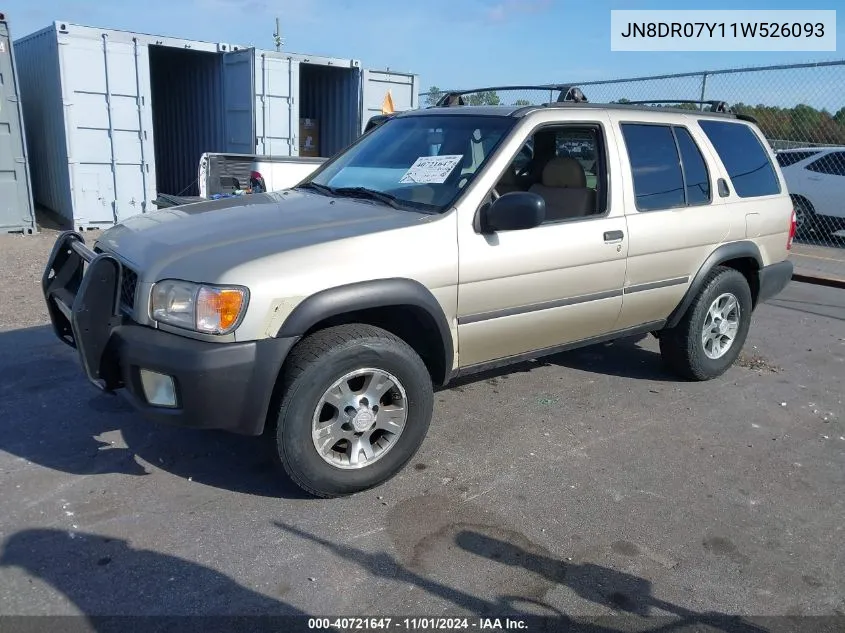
(363, 192)
(329, 191)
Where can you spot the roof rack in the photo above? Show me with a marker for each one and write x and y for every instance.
(566, 93)
(573, 94)
(715, 106)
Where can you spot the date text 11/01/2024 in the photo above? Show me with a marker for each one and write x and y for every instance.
(418, 624)
(723, 29)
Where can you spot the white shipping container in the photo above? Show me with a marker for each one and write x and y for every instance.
(404, 88)
(123, 116)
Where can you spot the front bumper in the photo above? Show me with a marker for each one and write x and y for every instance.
(218, 385)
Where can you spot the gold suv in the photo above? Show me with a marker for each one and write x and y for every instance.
(445, 241)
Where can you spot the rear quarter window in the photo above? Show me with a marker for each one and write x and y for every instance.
(744, 156)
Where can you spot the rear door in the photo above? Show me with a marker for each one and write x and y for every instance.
(674, 215)
(239, 101)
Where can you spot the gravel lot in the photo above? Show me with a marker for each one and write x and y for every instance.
(589, 484)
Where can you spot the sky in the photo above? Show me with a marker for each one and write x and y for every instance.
(448, 43)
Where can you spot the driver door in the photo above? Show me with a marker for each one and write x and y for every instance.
(524, 291)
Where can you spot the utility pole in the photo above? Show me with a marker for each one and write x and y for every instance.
(277, 36)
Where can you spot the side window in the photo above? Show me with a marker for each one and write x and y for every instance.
(523, 158)
(580, 145)
(785, 159)
(564, 165)
(696, 176)
(747, 161)
(832, 164)
(655, 165)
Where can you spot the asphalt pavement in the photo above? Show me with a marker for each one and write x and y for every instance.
(592, 483)
(821, 262)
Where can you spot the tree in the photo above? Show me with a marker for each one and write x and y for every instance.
(522, 102)
(488, 97)
(432, 96)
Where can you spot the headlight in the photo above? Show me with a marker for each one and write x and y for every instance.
(198, 307)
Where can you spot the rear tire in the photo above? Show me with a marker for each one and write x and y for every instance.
(806, 219)
(710, 335)
(331, 385)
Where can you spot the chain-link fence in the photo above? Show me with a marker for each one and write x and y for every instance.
(800, 108)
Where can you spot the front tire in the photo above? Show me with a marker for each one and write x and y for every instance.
(710, 336)
(357, 405)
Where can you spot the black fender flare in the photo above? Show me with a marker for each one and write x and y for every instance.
(364, 295)
(724, 253)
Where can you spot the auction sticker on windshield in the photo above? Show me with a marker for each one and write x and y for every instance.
(431, 169)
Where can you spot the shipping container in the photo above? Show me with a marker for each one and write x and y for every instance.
(268, 93)
(91, 94)
(335, 93)
(126, 116)
(404, 89)
(16, 207)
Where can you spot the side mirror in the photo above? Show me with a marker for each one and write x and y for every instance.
(514, 211)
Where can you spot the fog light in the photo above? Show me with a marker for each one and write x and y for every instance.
(159, 389)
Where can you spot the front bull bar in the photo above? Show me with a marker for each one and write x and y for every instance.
(82, 291)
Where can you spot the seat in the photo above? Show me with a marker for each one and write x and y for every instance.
(564, 188)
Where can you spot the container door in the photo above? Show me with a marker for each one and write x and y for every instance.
(276, 105)
(15, 192)
(239, 100)
(403, 88)
(108, 121)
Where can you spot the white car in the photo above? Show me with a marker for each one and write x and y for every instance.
(815, 177)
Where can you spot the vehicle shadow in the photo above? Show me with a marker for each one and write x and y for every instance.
(56, 419)
(104, 576)
(624, 357)
(621, 593)
(53, 417)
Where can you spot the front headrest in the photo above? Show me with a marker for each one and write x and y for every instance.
(564, 172)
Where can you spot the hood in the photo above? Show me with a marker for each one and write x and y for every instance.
(201, 241)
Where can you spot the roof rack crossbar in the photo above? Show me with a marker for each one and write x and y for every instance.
(566, 93)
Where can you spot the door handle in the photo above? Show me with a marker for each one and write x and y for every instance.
(613, 236)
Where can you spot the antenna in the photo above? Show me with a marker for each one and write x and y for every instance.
(277, 36)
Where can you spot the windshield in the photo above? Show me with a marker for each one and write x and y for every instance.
(419, 162)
